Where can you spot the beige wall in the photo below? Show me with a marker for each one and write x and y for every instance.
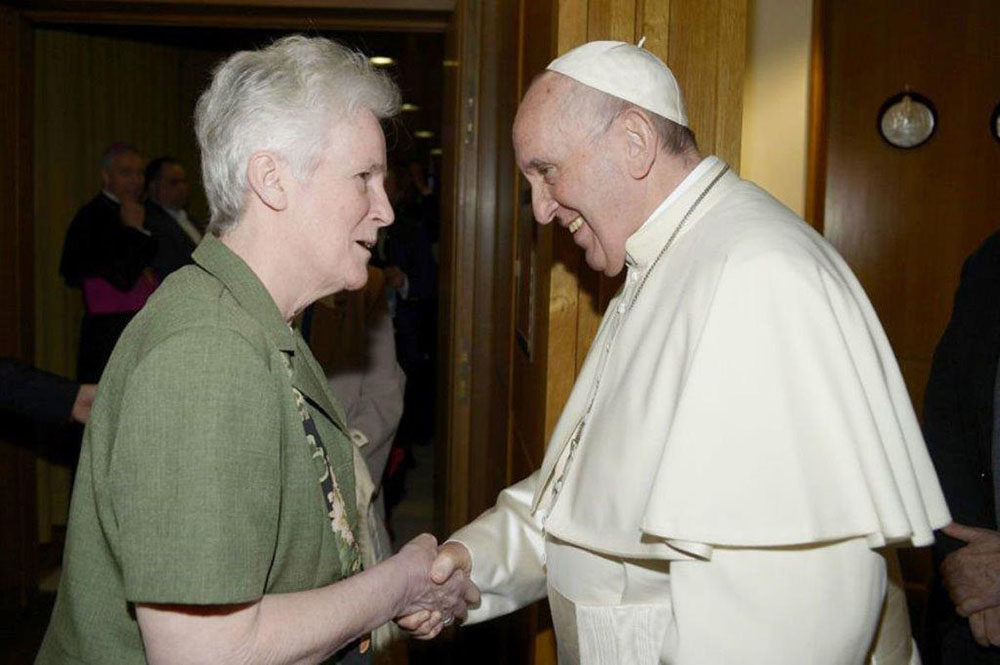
(776, 98)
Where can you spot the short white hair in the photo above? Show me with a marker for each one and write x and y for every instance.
(601, 109)
(280, 99)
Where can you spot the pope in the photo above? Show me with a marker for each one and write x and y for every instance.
(739, 444)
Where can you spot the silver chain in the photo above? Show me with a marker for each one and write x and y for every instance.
(677, 230)
(578, 430)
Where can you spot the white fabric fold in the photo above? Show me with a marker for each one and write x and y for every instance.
(508, 549)
(749, 398)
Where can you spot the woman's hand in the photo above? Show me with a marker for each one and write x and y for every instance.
(447, 569)
(431, 605)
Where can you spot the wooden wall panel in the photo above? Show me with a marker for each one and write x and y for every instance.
(652, 21)
(611, 19)
(906, 219)
(17, 211)
(571, 28)
(18, 515)
(694, 36)
(729, 80)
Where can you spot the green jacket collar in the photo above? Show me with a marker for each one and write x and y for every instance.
(248, 290)
(222, 263)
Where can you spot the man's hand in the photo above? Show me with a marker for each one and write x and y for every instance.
(133, 213)
(453, 563)
(84, 400)
(432, 600)
(972, 574)
(985, 626)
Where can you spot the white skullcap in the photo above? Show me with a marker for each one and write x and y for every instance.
(627, 72)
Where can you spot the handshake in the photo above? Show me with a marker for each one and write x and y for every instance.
(438, 589)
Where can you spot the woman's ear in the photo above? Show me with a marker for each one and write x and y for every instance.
(264, 176)
(642, 143)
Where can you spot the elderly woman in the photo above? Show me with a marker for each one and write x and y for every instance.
(214, 517)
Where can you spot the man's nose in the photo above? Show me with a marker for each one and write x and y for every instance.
(543, 206)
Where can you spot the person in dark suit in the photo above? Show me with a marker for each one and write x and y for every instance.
(962, 433)
(39, 395)
(405, 253)
(166, 215)
(108, 255)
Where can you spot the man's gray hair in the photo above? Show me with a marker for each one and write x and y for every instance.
(281, 99)
(602, 109)
(115, 149)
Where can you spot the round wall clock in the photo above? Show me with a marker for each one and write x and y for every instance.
(995, 124)
(907, 120)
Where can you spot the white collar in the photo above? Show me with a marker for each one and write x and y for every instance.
(703, 167)
(642, 246)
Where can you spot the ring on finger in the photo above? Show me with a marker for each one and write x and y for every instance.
(447, 621)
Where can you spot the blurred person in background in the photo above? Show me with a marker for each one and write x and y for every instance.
(176, 234)
(962, 428)
(350, 333)
(108, 255)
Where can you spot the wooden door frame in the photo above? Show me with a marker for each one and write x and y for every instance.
(816, 149)
(469, 243)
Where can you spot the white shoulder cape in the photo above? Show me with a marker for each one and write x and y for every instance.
(749, 399)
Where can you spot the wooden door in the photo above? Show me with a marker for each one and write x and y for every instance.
(476, 283)
(906, 219)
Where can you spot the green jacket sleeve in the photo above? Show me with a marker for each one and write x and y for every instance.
(196, 471)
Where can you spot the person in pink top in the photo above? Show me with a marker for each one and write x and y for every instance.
(108, 255)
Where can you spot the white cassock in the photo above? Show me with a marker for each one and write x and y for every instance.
(738, 442)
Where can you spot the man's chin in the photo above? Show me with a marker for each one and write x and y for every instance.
(598, 262)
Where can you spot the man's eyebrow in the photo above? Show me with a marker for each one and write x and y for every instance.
(536, 165)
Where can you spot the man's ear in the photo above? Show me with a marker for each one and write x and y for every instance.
(641, 141)
(105, 178)
(264, 176)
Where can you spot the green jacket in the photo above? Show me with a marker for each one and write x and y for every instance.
(196, 482)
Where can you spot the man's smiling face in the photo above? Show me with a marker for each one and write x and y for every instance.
(571, 167)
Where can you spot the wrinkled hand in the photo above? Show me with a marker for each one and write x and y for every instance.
(985, 627)
(452, 563)
(972, 574)
(84, 400)
(132, 213)
(436, 594)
